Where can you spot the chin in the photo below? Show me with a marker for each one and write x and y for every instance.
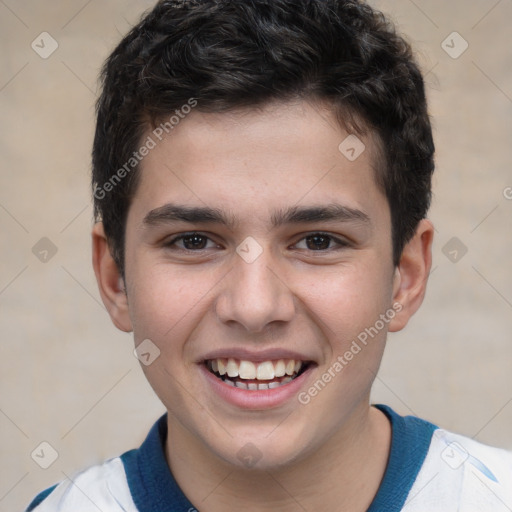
(265, 449)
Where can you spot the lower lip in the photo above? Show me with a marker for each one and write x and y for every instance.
(255, 399)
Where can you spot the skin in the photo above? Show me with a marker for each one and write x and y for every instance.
(250, 164)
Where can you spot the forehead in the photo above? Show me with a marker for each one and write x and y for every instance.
(253, 163)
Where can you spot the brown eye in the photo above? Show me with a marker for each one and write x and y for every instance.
(318, 242)
(194, 241)
(191, 242)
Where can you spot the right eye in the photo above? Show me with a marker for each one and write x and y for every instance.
(192, 242)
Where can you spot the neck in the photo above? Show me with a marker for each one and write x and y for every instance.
(342, 474)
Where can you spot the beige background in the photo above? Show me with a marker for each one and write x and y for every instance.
(70, 379)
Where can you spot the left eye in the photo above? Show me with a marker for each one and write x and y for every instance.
(320, 242)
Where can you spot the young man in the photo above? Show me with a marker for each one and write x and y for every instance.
(261, 175)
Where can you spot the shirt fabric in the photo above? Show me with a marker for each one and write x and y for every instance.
(429, 470)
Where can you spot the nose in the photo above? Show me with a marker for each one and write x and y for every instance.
(255, 295)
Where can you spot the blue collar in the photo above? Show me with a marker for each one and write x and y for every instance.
(154, 488)
(410, 442)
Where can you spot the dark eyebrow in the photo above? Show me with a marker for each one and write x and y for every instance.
(293, 215)
(331, 212)
(191, 214)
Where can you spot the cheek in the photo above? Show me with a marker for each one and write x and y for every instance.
(164, 303)
(166, 306)
(348, 299)
(348, 305)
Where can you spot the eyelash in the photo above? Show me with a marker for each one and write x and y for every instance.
(341, 243)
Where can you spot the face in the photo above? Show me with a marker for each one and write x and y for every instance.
(259, 265)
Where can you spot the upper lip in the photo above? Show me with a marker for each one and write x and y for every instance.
(255, 356)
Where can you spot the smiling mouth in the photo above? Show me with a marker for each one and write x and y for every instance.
(253, 376)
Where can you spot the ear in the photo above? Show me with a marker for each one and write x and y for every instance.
(411, 275)
(110, 281)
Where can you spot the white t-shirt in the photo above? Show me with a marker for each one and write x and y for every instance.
(429, 470)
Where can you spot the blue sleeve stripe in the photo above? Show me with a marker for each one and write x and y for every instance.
(40, 498)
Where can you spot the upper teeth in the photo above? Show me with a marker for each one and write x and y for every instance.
(266, 370)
